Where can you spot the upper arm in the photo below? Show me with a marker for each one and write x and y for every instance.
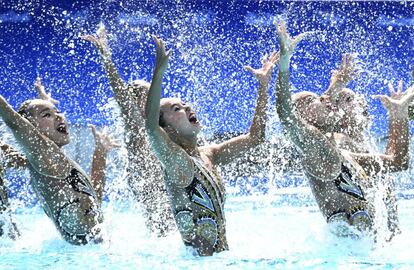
(13, 158)
(223, 153)
(375, 163)
(321, 157)
(176, 162)
(43, 154)
(131, 101)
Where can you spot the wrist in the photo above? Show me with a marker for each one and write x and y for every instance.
(284, 62)
(398, 114)
(264, 83)
(100, 150)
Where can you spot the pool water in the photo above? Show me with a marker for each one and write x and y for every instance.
(270, 224)
(282, 230)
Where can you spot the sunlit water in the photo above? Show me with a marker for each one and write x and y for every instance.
(283, 230)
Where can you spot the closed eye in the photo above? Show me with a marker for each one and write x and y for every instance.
(46, 115)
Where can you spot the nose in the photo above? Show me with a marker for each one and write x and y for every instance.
(325, 99)
(59, 116)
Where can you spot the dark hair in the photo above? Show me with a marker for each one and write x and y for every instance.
(161, 121)
(24, 108)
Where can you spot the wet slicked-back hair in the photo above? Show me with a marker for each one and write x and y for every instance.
(138, 90)
(301, 101)
(161, 121)
(24, 108)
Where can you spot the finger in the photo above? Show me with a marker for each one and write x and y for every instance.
(89, 38)
(264, 59)
(274, 57)
(283, 26)
(400, 87)
(391, 89)
(101, 30)
(249, 68)
(54, 101)
(116, 145)
(410, 98)
(343, 62)
(349, 60)
(154, 37)
(162, 45)
(301, 36)
(93, 128)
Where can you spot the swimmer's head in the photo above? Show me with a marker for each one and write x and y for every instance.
(353, 111)
(314, 110)
(44, 116)
(178, 117)
(136, 89)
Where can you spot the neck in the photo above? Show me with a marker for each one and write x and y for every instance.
(189, 144)
(353, 134)
(190, 148)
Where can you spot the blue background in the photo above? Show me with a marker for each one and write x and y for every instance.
(211, 41)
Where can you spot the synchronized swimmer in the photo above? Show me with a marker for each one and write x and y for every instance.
(176, 180)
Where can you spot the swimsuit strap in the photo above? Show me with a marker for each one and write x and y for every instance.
(345, 183)
(80, 183)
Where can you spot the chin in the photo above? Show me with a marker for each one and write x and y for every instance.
(63, 142)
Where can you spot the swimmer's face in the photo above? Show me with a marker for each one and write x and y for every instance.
(352, 109)
(180, 117)
(49, 121)
(314, 109)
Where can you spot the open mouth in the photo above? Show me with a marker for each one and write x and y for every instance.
(193, 119)
(62, 129)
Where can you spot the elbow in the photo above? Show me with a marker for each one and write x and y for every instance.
(257, 138)
(400, 165)
(404, 165)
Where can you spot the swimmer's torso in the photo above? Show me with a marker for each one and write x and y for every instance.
(70, 202)
(146, 180)
(199, 211)
(345, 195)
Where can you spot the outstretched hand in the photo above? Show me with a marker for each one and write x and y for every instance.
(42, 93)
(264, 74)
(288, 44)
(348, 71)
(99, 40)
(103, 141)
(162, 55)
(398, 101)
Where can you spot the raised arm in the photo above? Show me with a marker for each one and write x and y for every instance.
(225, 152)
(174, 159)
(43, 154)
(396, 156)
(341, 77)
(12, 158)
(41, 92)
(320, 156)
(130, 109)
(103, 144)
(12, 231)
